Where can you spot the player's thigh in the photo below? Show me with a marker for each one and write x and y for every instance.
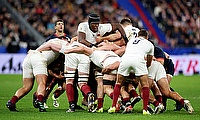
(163, 86)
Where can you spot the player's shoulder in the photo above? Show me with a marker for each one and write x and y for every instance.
(83, 24)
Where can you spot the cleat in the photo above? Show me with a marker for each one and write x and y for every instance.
(71, 108)
(188, 107)
(11, 106)
(178, 106)
(111, 110)
(40, 105)
(146, 112)
(55, 101)
(159, 108)
(78, 107)
(34, 99)
(100, 110)
(91, 102)
(45, 106)
(150, 109)
(118, 105)
(127, 109)
(135, 100)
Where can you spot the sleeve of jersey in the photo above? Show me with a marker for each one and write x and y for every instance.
(151, 49)
(82, 27)
(105, 28)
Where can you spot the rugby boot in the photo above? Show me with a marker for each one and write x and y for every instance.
(91, 102)
(71, 108)
(150, 109)
(127, 109)
(146, 112)
(135, 100)
(188, 107)
(40, 106)
(11, 106)
(111, 110)
(159, 108)
(178, 106)
(34, 100)
(100, 110)
(55, 101)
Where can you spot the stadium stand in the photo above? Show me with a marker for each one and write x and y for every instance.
(179, 20)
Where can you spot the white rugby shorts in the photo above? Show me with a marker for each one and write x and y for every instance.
(156, 71)
(135, 63)
(34, 63)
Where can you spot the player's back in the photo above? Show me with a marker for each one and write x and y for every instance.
(139, 46)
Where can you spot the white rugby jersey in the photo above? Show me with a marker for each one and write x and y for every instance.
(139, 46)
(52, 55)
(131, 32)
(91, 36)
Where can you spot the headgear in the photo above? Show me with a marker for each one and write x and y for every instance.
(93, 18)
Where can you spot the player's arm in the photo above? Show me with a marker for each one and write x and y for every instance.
(82, 39)
(149, 60)
(60, 76)
(111, 37)
(110, 67)
(120, 51)
(117, 26)
(49, 46)
(108, 46)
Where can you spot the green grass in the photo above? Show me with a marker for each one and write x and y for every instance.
(187, 86)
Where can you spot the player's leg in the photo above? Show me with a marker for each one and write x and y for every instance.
(165, 90)
(41, 81)
(27, 86)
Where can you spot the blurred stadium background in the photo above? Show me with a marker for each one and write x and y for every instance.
(174, 25)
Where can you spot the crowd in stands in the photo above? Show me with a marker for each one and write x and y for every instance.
(178, 19)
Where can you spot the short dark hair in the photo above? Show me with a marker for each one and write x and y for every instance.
(126, 21)
(144, 33)
(59, 20)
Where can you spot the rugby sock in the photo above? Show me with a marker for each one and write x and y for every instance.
(111, 95)
(14, 99)
(85, 89)
(159, 98)
(116, 94)
(182, 102)
(133, 93)
(155, 103)
(100, 103)
(70, 92)
(40, 98)
(145, 96)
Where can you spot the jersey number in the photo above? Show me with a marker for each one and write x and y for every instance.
(136, 41)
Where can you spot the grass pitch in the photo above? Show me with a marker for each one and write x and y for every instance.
(187, 86)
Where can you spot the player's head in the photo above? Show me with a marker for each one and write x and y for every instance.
(126, 21)
(143, 33)
(93, 21)
(59, 25)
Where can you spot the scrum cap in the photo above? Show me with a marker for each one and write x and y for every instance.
(93, 18)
